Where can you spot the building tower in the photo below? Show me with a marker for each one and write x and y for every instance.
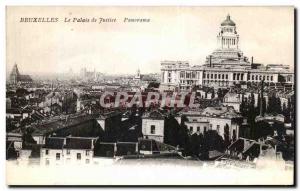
(228, 37)
(228, 53)
(14, 75)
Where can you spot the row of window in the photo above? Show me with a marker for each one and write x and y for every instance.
(215, 76)
(205, 128)
(228, 41)
(227, 29)
(187, 74)
(78, 155)
(87, 153)
(238, 76)
(260, 77)
(189, 82)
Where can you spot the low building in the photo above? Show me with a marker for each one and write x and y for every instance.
(69, 150)
(233, 99)
(153, 123)
(225, 120)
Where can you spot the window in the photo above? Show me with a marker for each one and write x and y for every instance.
(216, 76)
(226, 76)
(193, 75)
(218, 128)
(194, 120)
(210, 126)
(169, 80)
(191, 129)
(189, 75)
(68, 151)
(222, 76)
(204, 128)
(182, 74)
(198, 129)
(268, 78)
(211, 76)
(47, 152)
(252, 77)
(57, 156)
(87, 153)
(78, 156)
(87, 161)
(152, 129)
(271, 78)
(219, 76)
(169, 74)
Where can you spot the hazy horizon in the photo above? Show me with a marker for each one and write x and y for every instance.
(173, 33)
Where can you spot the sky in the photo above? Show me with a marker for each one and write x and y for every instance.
(173, 33)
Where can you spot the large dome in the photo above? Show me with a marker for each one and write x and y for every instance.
(228, 22)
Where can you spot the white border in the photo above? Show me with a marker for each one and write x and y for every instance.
(4, 3)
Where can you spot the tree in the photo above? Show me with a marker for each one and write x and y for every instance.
(226, 135)
(261, 129)
(175, 134)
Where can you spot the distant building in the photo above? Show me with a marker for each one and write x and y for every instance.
(233, 99)
(15, 76)
(153, 125)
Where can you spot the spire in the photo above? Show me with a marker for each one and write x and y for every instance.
(228, 17)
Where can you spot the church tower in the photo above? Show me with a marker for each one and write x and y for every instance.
(13, 77)
(228, 37)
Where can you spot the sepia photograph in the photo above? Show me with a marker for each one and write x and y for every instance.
(150, 95)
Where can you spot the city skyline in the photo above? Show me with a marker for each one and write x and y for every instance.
(109, 46)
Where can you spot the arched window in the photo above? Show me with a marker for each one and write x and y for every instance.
(222, 76)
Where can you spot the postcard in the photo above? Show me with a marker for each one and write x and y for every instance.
(150, 96)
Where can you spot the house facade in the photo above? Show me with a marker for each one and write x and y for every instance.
(69, 150)
(153, 125)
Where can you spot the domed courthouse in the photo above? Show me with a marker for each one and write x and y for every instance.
(225, 67)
